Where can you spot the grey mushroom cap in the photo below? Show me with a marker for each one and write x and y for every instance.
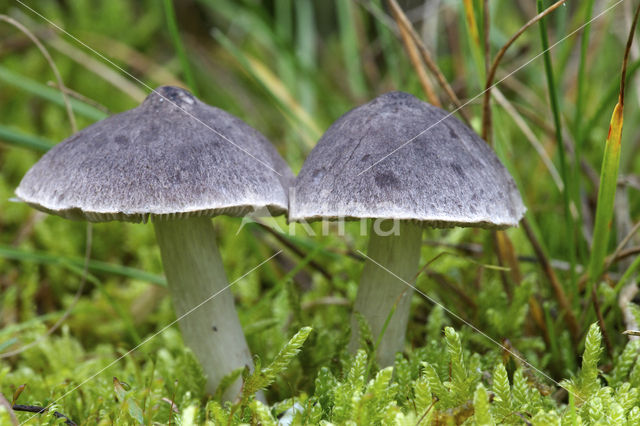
(397, 157)
(173, 156)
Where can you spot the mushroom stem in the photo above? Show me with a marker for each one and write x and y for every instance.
(384, 287)
(195, 273)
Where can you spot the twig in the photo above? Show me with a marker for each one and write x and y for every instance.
(38, 409)
(524, 419)
(627, 51)
(173, 405)
(486, 115)
(83, 98)
(418, 66)
(574, 329)
(616, 254)
(625, 253)
(433, 402)
(426, 56)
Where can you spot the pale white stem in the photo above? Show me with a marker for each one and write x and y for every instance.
(194, 273)
(380, 291)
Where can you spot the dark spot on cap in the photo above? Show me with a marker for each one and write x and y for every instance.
(458, 170)
(214, 328)
(386, 180)
(121, 140)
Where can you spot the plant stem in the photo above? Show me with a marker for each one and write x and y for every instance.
(382, 290)
(195, 273)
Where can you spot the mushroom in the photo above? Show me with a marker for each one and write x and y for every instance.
(176, 161)
(399, 159)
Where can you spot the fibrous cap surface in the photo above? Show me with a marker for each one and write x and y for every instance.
(172, 156)
(397, 157)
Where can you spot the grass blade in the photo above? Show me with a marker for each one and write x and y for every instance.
(581, 89)
(606, 194)
(609, 176)
(474, 38)
(23, 140)
(21, 255)
(306, 51)
(174, 32)
(49, 94)
(350, 49)
(555, 108)
(577, 135)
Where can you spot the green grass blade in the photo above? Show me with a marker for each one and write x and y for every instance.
(23, 140)
(577, 122)
(555, 108)
(21, 255)
(582, 68)
(350, 50)
(609, 174)
(284, 34)
(49, 94)
(606, 196)
(306, 51)
(284, 20)
(473, 35)
(174, 32)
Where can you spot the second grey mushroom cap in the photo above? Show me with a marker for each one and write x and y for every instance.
(171, 156)
(444, 176)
